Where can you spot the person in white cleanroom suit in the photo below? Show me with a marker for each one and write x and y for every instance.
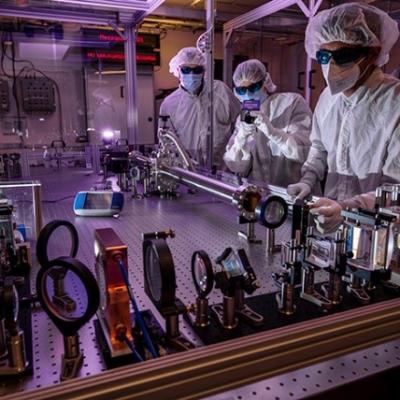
(273, 148)
(356, 127)
(187, 107)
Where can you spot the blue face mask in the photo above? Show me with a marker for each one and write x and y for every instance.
(191, 82)
(259, 95)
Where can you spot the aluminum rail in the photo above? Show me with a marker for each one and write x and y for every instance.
(192, 179)
(216, 368)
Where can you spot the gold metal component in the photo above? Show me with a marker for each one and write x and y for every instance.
(115, 313)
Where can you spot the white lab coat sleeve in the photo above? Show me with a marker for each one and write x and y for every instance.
(228, 105)
(391, 167)
(165, 110)
(315, 167)
(237, 156)
(294, 140)
(390, 175)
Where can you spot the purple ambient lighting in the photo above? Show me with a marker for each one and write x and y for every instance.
(107, 134)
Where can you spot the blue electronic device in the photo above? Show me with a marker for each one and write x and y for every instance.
(98, 204)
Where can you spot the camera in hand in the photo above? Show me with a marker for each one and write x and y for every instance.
(247, 107)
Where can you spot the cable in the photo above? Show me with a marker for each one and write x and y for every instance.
(27, 69)
(14, 88)
(48, 201)
(138, 316)
(203, 37)
(136, 355)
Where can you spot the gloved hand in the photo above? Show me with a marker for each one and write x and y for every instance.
(263, 123)
(327, 215)
(299, 190)
(244, 130)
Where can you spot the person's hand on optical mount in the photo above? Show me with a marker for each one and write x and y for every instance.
(327, 215)
(299, 191)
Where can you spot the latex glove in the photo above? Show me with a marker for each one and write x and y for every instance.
(327, 215)
(244, 130)
(263, 123)
(299, 190)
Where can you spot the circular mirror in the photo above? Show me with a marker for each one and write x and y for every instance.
(159, 273)
(57, 239)
(153, 273)
(272, 212)
(68, 293)
(202, 273)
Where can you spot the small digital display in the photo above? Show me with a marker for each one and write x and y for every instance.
(233, 266)
(98, 201)
(251, 105)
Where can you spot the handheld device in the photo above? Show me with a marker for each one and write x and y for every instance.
(247, 107)
(98, 203)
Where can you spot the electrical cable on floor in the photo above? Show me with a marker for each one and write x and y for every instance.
(48, 201)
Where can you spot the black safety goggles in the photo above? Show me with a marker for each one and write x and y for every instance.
(342, 56)
(241, 90)
(195, 70)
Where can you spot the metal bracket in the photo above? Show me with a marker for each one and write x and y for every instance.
(117, 30)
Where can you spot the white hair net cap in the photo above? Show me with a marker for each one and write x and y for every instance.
(253, 71)
(187, 55)
(355, 24)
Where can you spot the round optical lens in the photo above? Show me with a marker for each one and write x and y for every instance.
(274, 212)
(200, 272)
(153, 269)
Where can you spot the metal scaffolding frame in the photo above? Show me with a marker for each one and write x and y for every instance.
(260, 12)
(129, 12)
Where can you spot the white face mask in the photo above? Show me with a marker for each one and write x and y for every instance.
(341, 77)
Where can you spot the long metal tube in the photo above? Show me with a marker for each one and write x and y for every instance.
(210, 16)
(131, 84)
(182, 151)
(209, 185)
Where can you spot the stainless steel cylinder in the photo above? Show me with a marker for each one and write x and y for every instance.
(202, 318)
(71, 346)
(16, 352)
(239, 299)
(3, 344)
(172, 326)
(229, 318)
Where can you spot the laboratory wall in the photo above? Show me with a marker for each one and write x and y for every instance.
(41, 128)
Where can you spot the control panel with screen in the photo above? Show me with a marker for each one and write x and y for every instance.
(98, 204)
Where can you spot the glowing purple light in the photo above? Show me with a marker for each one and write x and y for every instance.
(107, 134)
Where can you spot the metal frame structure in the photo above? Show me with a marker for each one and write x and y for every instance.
(36, 187)
(236, 362)
(130, 12)
(210, 17)
(260, 12)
